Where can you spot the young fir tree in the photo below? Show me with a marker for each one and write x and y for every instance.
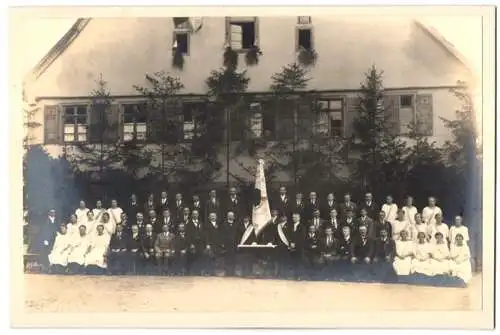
(383, 155)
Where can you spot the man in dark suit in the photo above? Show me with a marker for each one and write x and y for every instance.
(233, 203)
(384, 248)
(132, 208)
(150, 204)
(329, 247)
(381, 223)
(365, 220)
(282, 255)
(118, 251)
(370, 206)
(230, 243)
(45, 238)
(345, 244)
(334, 222)
(311, 249)
(298, 232)
(269, 231)
(196, 204)
(147, 249)
(317, 222)
(164, 250)
(212, 205)
(163, 202)
(311, 205)
(139, 222)
(166, 219)
(214, 233)
(346, 206)
(186, 216)
(154, 221)
(182, 248)
(195, 234)
(328, 205)
(362, 247)
(282, 203)
(177, 207)
(350, 222)
(298, 205)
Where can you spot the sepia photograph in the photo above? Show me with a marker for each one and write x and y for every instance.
(253, 167)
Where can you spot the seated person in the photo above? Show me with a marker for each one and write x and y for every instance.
(96, 258)
(440, 254)
(384, 248)
(329, 247)
(405, 251)
(79, 248)
(421, 263)
(164, 249)
(460, 259)
(362, 247)
(182, 249)
(134, 247)
(118, 251)
(147, 249)
(311, 250)
(58, 257)
(345, 244)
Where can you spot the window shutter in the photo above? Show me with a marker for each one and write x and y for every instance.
(52, 122)
(111, 132)
(236, 36)
(95, 125)
(425, 117)
(352, 112)
(391, 112)
(256, 31)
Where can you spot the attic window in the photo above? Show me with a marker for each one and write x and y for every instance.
(181, 22)
(242, 33)
(303, 20)
(304, 39)
(181, 42)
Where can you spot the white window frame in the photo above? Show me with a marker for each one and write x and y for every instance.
(79, 130)
(403, 128)
(329, 110)
(134, 124)
(233, 31)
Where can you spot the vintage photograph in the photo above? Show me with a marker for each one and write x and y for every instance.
(269, 163)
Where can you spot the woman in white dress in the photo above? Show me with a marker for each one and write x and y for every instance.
(404, 255)
(108, 225)
(115, 215)
(438, 226)
(422, 261)
(459, 228)
(440, 256)
(418, 227)
(400, 224)
(460, 259)
(429, 212)
(98, 211)
(81, 212)
(410, 211)
(390, 209)
(58, 257)
(79, 249)
(91, 223)
(96, 258)
(73, 225)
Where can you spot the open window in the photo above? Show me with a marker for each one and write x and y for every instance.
(181, 42)
(181, 23)
(242, 32)
(304, 38)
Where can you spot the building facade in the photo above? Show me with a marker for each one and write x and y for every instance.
(419, 70)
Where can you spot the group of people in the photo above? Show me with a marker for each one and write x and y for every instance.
(176, 237)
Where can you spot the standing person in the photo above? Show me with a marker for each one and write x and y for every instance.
(410, 210)
(282, 203)
(177, 207)
(246, 235)
(150, 204)
(140, 223)
(230, 243)
(58, 257)
(148, 250)
(460, 259)
(233, 203)
(418, 227)
(399, 224)
(185, 216)
(79, 248)
(133, 208)
(421, 262)
(45, 238)
(134, 244)
(350, 222)
(384, 248)
(405, 252)
(213, 242)
(429, 212)
(182, 249)
(440, 256)
(438, 226)
(365, 220)
(81, 212)
(311, 250)
(298, 206)
(390, 209)
(212, 205)
(97, 256)
(98, 211)
(166, 219)
(317, 222)
(194, 231)
(382, 223)
(115, 215)
(347, 206)
(334, 223)
(362, 247)
(298, 231)
(269, 232)
(196, 204)
(118, 251)
(282, 260)
(163, 202)
(311, 206)
(458, 228)
(328, 206)
(370, 206)
(125, 222)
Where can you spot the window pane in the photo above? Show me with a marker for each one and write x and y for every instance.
(81, 119)
(81, 110)
(188, 135)
(69, 119)
(128, 128)
(69, 111)
(323, 104)
(128, 117)
(82, 129)
(305, 36)
(69, 137)
(82, 137)
(304, 20)
(336, 104)
(337, 115)
(141, 127)
(69, 129)
(182, 43)
(141, 136)
(256, 125)
(128, 136)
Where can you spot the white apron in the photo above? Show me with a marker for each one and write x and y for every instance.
(421, 263)
(440, 259)
(98, 248)
(404, 255)
(79, 249)
(460, 262)
(60, 250)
